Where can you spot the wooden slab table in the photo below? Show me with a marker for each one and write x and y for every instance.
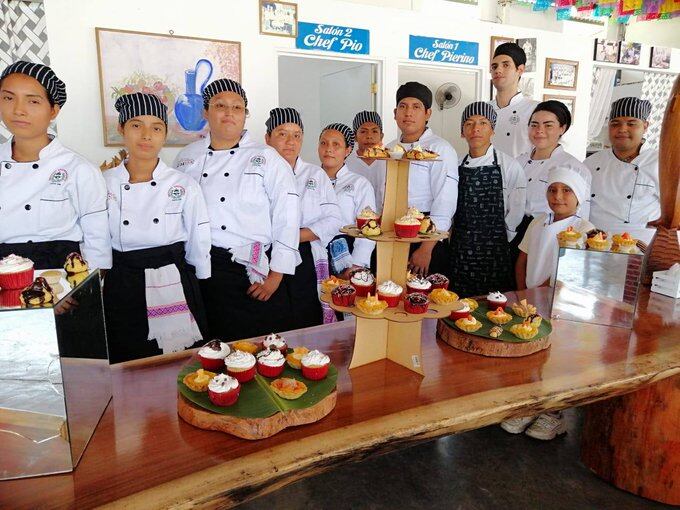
(144, 456)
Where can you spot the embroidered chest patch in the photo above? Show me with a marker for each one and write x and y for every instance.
(176, 192)
(58, 176)
(311, 184)
(348, 188)
(258, 161)
(514, 119)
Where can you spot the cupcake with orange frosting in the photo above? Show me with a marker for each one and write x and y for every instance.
(468, 324)
(624, 243)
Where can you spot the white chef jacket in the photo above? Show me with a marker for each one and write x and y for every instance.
(625, 196)
(166, 210)
(514, 186)
(536, 171)
(433, 185)
(375, 173)
(60, 197)
(354, 192)
(511, 134)
(542, 248)
(251, 197)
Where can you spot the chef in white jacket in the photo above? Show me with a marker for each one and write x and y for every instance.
(368, 131)
(254, 212)
(432, 185)
(625, 190)
(319, 223)
(354, 193)
(52, 200)
(160, 234)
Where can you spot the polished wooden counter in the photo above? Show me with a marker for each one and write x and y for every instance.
(144, 456)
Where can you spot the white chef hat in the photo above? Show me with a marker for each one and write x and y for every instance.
(572, 179)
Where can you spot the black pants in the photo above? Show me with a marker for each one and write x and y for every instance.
(44, 254)
(232, 314)
(302, 291)
(514, 244)
(127, 325)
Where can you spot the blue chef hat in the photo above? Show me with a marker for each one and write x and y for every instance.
(223, 85)
(56, 89)
(134, 105)
(345, 130)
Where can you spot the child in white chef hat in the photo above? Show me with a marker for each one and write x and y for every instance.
(536, 266)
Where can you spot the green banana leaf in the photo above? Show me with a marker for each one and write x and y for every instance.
(257, 400)
(480, 314)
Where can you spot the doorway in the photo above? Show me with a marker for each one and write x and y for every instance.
(325, 90)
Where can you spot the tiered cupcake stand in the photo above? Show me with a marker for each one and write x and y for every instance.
(394, 334)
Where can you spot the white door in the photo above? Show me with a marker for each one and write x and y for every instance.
(346, 92)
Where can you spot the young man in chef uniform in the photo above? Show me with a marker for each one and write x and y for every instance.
(625, 189)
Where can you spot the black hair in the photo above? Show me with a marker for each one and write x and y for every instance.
(513, 51)
(558, 108)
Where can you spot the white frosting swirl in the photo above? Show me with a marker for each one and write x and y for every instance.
(408, 220)
(240, 359)
(496, 296)
(469, 320)
(274, 340)
(222, 383)
(417, 282)
(390, 288)
(368, 213)
(315, 359)
(207, 352)
(363, 278)
(465, 308)
(413, 211)
(271, 358)
(14, 264)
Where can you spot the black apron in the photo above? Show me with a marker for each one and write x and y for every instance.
(44, 254)
(480, 254)
(514, 244)
(439, 263)
(302, 290)
(127, 326)
(232, 314)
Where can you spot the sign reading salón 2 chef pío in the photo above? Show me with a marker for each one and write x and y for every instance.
(443, 50)
(318, 36)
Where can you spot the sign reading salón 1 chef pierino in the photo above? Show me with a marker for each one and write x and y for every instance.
(318, 36)
(443, 50)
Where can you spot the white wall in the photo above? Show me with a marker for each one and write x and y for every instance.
(71, 23)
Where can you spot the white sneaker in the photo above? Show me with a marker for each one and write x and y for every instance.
(547, 427)
(517, 425)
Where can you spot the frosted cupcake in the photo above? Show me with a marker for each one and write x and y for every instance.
(270, 363)
(223, 390)
(496, 299)
(15, 272)
(240, 365)
(407, 226)
(274, 341)
(365, 215)
(415, 283)
(315, 365)
(390, 292)
(364, 282)
(212, 355)
(415, 213)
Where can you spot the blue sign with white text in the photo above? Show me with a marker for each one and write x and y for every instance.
(317, 36)
(443, 50)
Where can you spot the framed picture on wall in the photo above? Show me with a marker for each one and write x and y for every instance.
(278, 18)
(660, 58)
(630, 53)
(529, 47)
(560, 74)
(606, 51)
(175, 68)
(569, 101)
(495, 43)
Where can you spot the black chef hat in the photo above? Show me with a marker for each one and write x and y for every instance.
(478, 108)
(279, 116)
(56, 89)
(366, 116)
(345, 130)
(631, 107)
(558, 108)
(417, 90)
(134, 105)
(223, 85)
(513, 51)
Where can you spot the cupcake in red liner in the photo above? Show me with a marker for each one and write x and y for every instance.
(15, 272)
(390, 292)
(223, 390)
(496, 299)
(407, 226)
(343, 295)
(315, 365)
(364, 282)
(270, 363)
(212, 355)
(367, 214)
(10, 298)
(438, 281)
(461, 312)
(274, 341)
(416, 303)
(240, 365)
(415, 283)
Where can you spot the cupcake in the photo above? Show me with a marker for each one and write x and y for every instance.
(570, 238)
(270, 363)
(331, 282)
(468, 324)
(240, 365)
(365, 215)
(212, 355)
(15, 272)
(294, 358)
(10, 298)
(223, 390)
(438, 281)
(315, 365)
(443, 296)
(371, 229)
(245, 346)
(343, 295)
(416, 303)
(496, 299)
(598, 242)
(414, 212)
(363, 281)
(75, 264)
(390, 292)
(198, 380)
(460, 311)
(39, 293)
(499, 316)
(472, 303)
(624, 243)
(427, 226)
(415, 283)
(407, 226)
(274, 341)
(371, 305)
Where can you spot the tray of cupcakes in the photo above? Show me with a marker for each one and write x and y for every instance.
(255, 389)
(599, 240)
(413, 227)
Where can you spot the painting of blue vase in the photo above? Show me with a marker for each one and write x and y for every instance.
(189, 106)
